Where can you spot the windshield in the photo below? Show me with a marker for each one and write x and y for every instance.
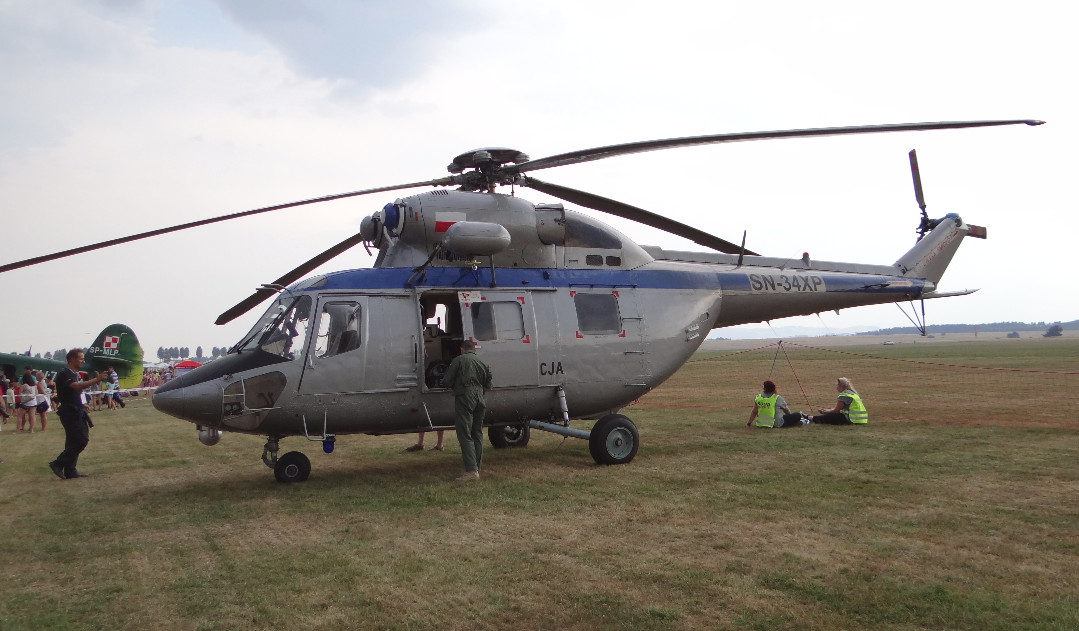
(282, 329)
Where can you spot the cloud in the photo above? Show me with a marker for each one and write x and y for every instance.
(369, 43)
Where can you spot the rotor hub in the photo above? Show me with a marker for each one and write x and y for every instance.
(485, 158)
(486, 164)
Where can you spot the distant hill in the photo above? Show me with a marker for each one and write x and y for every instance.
(990, 327)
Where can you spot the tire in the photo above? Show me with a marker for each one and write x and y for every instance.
(434, 373)
(292, 467)
(613, 440)
(509, 435)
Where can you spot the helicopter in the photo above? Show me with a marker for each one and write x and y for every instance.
(575, 319)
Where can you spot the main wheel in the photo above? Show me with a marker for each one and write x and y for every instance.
(434, 373)
(509, 435)
(613, 440)
(292, 467)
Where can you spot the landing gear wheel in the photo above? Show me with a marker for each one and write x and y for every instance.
(434, 373)
(292, 467)
(509, 435)
(613, 440)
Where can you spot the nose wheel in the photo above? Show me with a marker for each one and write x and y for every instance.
(292, 467)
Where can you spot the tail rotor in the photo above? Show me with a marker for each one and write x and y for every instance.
(925, 225)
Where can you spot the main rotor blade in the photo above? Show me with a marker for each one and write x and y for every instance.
(917, 175)
(203, 222)
(604, 204)
(587, 155)
(266, 291)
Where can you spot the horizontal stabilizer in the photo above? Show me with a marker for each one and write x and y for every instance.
(977, 232)
(946, 294)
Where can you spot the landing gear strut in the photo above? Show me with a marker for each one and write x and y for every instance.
(612, 440)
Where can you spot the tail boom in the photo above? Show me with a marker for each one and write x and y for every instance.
(930, 257)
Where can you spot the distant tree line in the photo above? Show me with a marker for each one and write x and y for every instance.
(184, 352)
(173, 352)
(989, 327)
(163, 354)
(60, 354)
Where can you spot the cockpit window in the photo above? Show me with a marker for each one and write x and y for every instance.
(282, 329)
(338, 329)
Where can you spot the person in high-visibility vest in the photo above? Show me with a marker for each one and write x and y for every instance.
(765, 406)
(848, 410)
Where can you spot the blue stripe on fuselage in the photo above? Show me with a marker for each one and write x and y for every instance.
(466, 278)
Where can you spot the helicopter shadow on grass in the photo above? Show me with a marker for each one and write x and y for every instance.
(383, 478)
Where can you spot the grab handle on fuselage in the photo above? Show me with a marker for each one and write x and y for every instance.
(325, 437)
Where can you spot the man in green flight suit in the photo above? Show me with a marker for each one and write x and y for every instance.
(469, 377)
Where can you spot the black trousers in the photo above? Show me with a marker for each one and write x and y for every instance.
(791, 420)
(76, 436)
(831, 418)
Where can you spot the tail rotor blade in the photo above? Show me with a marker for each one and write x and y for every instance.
(917, 175)
(924, 226)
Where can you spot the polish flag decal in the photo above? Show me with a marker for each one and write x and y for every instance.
(443, 220)
(112, 341)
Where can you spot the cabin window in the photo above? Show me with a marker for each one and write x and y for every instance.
(283, 328)
(338, 329)
(497, 321)
(597, 314)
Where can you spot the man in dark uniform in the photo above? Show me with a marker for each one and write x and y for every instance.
(469, 377)
(72, 415)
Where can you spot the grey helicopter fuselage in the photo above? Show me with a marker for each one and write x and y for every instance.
(575, 319)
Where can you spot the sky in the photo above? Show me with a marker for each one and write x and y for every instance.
(121, 116)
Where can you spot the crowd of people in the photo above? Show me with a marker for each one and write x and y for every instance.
(32, 397)
(154, 378)
(28, 398)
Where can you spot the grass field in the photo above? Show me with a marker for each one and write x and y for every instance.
(953, 509)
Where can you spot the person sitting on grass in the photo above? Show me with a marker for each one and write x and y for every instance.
(848, 410)
(765, 406)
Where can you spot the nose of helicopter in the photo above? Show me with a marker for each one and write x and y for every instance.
(196, 402)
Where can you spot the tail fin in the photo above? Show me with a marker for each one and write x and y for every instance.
(117, 346)
(930, 256)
